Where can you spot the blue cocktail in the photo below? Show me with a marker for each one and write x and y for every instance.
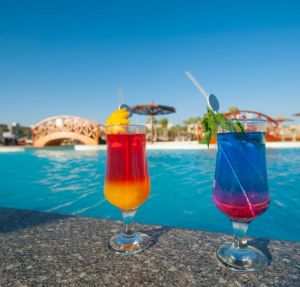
(241, 190)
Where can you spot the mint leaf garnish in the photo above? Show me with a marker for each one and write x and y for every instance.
(211, 121)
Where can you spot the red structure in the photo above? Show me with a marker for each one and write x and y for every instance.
(273, 126)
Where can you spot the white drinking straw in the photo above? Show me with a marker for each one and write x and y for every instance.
(197, 84)
(121, 97)
(238, 180)
(211, 99)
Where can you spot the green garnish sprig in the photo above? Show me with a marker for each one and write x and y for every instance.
(211, 121)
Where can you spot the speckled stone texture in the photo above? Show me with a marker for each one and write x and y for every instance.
(42, 249)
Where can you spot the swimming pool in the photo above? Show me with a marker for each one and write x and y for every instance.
(71, 182)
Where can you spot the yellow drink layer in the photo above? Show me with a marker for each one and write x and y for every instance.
(127, 195)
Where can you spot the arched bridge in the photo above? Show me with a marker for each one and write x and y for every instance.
(54, 130)
(272, 126)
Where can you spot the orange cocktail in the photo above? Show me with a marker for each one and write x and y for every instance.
(127, 183)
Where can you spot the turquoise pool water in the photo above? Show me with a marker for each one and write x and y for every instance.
(71, 182)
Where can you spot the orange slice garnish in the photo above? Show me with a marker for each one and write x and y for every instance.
(117, 122)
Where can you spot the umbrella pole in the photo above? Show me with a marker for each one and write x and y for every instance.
(152, 128)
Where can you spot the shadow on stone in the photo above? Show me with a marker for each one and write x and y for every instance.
(262, 245)
(12, 219)
(155, 234)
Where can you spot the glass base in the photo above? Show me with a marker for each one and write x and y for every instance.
(245, 259)
(129, 244)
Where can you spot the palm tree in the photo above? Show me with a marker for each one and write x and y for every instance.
(177, 131)
(153, 122)
(193, 126)
(163, 122)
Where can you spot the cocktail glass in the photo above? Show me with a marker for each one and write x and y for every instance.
(241, 190)
(127, 182)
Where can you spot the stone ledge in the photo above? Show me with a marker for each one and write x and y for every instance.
(42, 249)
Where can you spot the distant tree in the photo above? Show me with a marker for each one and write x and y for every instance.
(192, 121)
(3, 128)
(19, 131)
(233, 110)
(188, 121)
(149, 119)
(163, 122)
(154, 123)
(177, 131)
(193, 127)
(23, 132)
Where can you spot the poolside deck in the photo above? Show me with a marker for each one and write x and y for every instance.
(42, 249)
(184, 145)
(188, 145)
(5, 149)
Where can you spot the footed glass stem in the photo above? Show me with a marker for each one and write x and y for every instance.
(129, 242)
(239, 256)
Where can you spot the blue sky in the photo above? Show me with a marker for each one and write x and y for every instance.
(70, 57)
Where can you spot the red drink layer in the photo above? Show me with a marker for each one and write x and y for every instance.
(240, 210)
(127, 183)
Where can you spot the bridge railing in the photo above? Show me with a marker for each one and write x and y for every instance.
(272, 126)
(72, 124)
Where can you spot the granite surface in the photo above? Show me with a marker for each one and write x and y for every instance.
(42, 249)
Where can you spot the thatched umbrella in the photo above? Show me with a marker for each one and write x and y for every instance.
(152, 110)
(296, 114)
(283, 119)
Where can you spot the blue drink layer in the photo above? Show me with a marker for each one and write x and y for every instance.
(241, 186)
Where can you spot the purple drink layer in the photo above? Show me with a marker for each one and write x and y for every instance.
(241, 211)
